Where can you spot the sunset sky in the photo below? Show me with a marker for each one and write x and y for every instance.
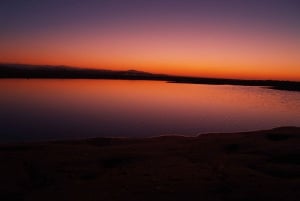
(257, 39)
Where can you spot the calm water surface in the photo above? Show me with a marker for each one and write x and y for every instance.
(42, 109)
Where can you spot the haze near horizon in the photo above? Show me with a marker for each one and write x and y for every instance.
(232, 39)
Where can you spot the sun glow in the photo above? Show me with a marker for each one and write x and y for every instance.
(177, 45)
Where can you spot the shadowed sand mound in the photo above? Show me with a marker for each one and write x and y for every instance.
(263, 165)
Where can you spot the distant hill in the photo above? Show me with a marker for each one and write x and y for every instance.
(67, 72)
(45, 71)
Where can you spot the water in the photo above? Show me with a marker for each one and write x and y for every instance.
(43, 109)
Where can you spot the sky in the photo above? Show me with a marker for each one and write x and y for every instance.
(247, 39)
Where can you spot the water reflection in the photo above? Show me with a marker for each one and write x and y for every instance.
(57, 109)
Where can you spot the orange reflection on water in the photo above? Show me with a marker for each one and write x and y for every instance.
(90, 108)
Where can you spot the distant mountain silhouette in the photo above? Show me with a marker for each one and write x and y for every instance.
(67, 72)
(45, 71)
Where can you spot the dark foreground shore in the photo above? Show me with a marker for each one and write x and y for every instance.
(252, 166)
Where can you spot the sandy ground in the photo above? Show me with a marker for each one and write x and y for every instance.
(262, 165)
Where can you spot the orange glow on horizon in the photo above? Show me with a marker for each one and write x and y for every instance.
(243, 54)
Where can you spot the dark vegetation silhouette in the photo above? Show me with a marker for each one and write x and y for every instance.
(39, 71)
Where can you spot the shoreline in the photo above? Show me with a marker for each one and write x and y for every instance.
(255, 165)
(23, 71)
(121, 138)
(292, 86)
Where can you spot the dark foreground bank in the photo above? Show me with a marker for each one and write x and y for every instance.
(252, 166)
